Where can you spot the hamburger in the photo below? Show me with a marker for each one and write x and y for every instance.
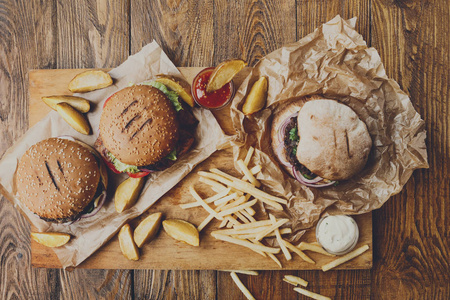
(320, 142)
(61, 180)
(144, 128)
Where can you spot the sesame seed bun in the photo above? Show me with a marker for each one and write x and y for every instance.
(139, 125)
(58, 178)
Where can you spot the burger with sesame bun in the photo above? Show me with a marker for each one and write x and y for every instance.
(61, 180)
(144, 128)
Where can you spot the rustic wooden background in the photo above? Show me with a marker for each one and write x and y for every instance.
(411, 231)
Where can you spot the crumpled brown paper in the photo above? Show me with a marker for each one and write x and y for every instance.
(334, 61)
(91, 233)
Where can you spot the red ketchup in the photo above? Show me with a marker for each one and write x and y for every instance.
(213, 100)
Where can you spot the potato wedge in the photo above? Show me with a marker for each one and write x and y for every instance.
(182, 231)
(127, 193)
(80, 104)
(256, 98)
(51, 239)
(126, 242)
(180, 86)
(147, 229)
(73, 117)
(224, 73)
(89, 81)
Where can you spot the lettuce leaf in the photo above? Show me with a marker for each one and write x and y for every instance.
(172, 155)
(121, 167)
(173, 96)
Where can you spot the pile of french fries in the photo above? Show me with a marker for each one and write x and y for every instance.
(233, 205)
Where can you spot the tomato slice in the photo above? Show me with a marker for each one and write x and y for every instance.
(138, 175)
(104, 104)
(111, 166)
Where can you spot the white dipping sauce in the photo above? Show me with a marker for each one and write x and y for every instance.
(337, 234)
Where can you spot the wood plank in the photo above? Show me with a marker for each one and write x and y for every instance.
(310, 15)
(20, 23)
(184, 29)
(165, 253)
(93, 34)
(413, 263)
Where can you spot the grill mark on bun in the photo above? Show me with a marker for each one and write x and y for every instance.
(60, 167)
(51, 175)
(348, 144)
(140, 128)
(136, 117)
(128, 107)
(334, 136)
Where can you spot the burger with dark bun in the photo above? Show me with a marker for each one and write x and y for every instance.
(144, 128)
(61, 180)
(320, 141)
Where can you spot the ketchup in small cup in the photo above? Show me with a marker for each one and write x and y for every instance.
(214, 100)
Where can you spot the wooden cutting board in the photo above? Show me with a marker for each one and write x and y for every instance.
(164, 252)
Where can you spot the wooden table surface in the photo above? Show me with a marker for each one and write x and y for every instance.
(411, 231)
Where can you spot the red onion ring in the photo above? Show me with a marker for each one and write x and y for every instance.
(282, 157)
(282, 129)
(100, 204)
(301, 179)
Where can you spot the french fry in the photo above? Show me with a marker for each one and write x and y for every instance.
(126, 243)
(147, 229)
(241, 217)
(80, 104)
(245, 243)
(285, 251)
(260, 244)
(89, 81)
(50, 239)
(217, 187)
(205, 222)
(248, 188)
(182, 231)
(249, 155)
(272, 234)
(74, 118)
(247, 173)
(242, 287)
(254, 224)
(223, 223)
(311, 294)
(250, 211)
(299, 252)
(204, 204)
(232, 220)
(216, 177)
(271, 228)
(273, 257)
(224, 73)
(221, 173)
(256, 98)
(313, 247)
(256, 169)
(127, 193)
(247, 215)
(178, 85)
(246, 272)
(225, 205)
(345, 258)
(237, 208)
(225, 199)
(235, 231)
(296, 280)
